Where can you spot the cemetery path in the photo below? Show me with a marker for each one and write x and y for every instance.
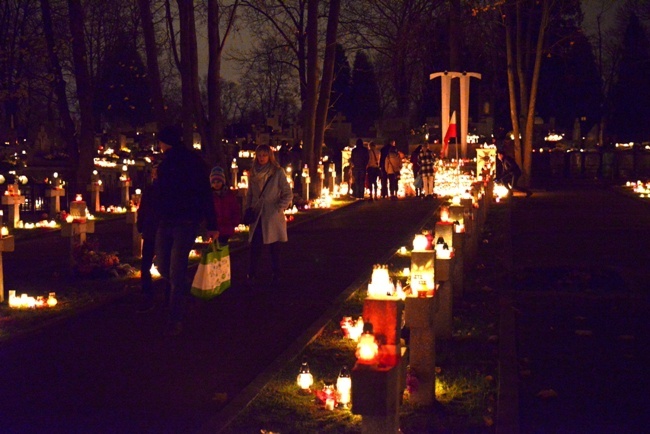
(111, 369)
(581, 286)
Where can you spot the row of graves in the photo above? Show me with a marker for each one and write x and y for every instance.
(419, 298)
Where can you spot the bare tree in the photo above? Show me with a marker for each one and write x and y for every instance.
(219, 16)
(295, 27)
(393, 32)
(153, 69)
(525, 24)
(82, 157)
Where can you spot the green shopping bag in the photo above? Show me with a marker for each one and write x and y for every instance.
(212, 276)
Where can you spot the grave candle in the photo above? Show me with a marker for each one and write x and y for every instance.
(305, 379)
(367, 349)
(344, 386)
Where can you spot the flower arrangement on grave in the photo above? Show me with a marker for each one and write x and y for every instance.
(90, 261)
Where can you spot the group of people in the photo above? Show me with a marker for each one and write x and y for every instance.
(186, 199)
(370, 165)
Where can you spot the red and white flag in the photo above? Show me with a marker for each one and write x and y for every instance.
(451, 132)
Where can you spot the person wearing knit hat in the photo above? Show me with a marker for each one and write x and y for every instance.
(217, 174)
(226, 205)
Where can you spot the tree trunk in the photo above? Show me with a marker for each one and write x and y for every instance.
(530, 123)
(85, 152)
(68, 129)
(512, 89)
(309, 106)
(328, 77)
(185, 13)
(153, 70)
(215, 152)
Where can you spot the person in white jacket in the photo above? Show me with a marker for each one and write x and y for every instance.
(269, 194)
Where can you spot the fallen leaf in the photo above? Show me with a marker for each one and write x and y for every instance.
(626, 337)
(220, 397)
(489, 378)
(488, 420)
(584, 332)
(547, 394)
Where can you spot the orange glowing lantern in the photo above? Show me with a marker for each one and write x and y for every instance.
(367, 348)
(51, 299)
(444, 214)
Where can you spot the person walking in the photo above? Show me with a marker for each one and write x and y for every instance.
(392, 168)
(510, 173)
(269, 194)
(359, 158)
(147, 225)
(226, 205)
(185, 203)
(382, 166)
(427, 162)
(415, 165)
(373, 171)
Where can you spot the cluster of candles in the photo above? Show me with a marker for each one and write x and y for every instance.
(328, 396)
(25, 301)
(114, 209)
(381, 284)
(42, 224)
(639, 187)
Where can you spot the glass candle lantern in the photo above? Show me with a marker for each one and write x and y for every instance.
(305, 379)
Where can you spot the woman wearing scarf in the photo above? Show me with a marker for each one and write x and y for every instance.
(269, 194)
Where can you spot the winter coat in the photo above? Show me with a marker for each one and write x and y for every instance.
(185, 192)
(276, 198)
(148, 215)
(359, 158)
(228, 211)
(427, 161)
(393, 163)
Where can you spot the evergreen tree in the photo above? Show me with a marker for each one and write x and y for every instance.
(123, 93)
(341, 86)
(364, 96)
(631, 92)
(570, 84)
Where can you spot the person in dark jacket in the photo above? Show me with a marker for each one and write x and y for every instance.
(147, 225)
(185, 203)
(382, 166)
(510, 173)
(359, 158)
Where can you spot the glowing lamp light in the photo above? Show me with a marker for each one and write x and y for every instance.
(444, 252)
(352, 329)
(51, 299)
(367, 348)
(444, 214)
(380, 285)
(344, 386)
(69, 218)
(78, 198)
(305, 379)
(420, 242)
(4, 231)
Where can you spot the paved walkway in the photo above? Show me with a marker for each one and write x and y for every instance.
(111, 369)
(574, 333)
(580, 308)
